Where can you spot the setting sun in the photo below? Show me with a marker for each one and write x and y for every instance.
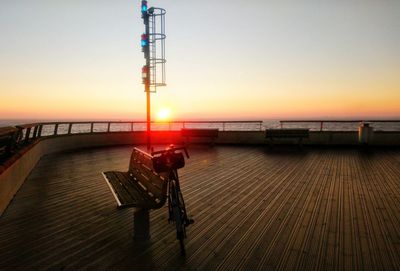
(164, 114)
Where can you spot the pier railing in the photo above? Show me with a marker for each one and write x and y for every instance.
(16, 136)
(341, 125)
(62, 128)
(21, 135)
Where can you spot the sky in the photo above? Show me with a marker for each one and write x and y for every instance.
(237, 59)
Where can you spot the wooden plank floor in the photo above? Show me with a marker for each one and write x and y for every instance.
(254, 209)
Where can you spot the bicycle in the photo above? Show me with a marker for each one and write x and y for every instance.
(169, 161)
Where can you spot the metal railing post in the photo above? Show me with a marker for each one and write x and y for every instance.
(108, 127)
(40, 130)
(35, 130)
(55, 129)
(69, 128)
(27, 134)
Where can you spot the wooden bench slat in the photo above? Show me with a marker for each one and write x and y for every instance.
(131, 187)
(287, 133)
(141, 186)
(118, 188)
(129, 193)
(204, 133)
(199, 132)
(141, 157)
(143, 162)
(142, 167)
(287, 136)
(150, 182)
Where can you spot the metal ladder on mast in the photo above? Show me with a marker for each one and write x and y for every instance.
(157, 41)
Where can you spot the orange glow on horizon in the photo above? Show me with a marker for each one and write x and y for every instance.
(342, 68)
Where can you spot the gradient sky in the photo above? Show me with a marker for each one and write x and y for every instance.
(237, 59)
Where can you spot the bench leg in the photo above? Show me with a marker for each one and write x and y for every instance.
(271, 143)
(141, 225)
(187, 141)
(300, 143)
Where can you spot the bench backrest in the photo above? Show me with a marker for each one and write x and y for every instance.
(287, 133)
(141, 166)
(199, 132)
(7, 136)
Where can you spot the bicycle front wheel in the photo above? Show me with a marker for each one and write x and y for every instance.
(178, 213)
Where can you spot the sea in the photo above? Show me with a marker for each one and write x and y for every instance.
(221, 125)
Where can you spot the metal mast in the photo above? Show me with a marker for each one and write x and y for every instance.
(153, 47)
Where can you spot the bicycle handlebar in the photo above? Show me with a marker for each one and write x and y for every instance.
(171, 149)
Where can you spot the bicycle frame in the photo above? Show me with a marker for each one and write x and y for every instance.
(176, 205)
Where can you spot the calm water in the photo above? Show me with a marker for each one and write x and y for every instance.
(101, 127)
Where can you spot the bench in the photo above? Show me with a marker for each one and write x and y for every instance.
(287, 133)
(8, 139)
(210, 133)
(140, 187)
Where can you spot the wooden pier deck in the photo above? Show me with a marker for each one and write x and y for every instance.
(254, 209)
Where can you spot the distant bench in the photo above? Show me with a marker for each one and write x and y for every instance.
(210, 133)
(8, 139)
(140, 187)
(272, 134)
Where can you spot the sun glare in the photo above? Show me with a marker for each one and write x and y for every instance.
(164, 114)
